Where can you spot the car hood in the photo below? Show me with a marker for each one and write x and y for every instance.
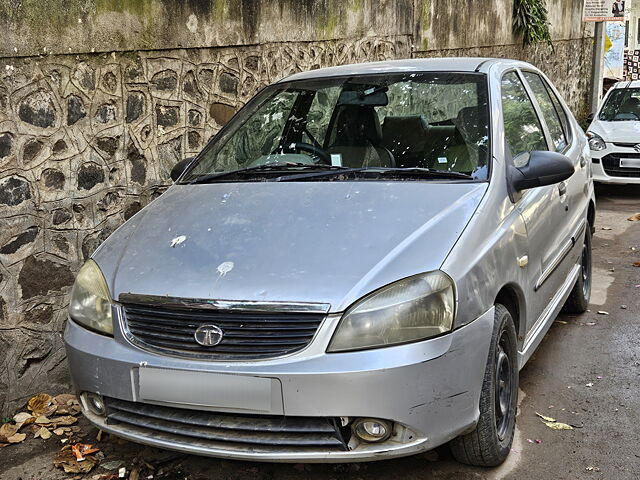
(623, 131)
(324, 242)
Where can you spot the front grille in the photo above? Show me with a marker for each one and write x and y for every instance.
(611, 165)
(247, 335)
(215, 430)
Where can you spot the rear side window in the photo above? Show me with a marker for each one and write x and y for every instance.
(549, 110)
(561, 112)
(522, 127)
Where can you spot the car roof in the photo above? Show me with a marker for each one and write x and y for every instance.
(449, 64)
(625, 84)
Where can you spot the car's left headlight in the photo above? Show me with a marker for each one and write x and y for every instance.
(90, 304)
(412, 309)
(596, 143)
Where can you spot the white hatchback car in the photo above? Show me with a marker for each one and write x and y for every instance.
(614, 135)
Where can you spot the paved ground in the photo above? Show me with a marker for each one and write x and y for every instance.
(602, 351)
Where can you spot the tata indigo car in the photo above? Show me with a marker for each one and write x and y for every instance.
(614, 136)
(354, 268)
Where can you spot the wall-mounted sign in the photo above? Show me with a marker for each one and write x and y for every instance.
(604, 10)
(614, 50)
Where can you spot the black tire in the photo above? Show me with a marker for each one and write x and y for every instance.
(578, 300)
(490, 443)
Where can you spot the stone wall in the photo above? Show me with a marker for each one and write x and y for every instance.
(98, 103)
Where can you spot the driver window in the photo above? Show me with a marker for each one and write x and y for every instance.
(259, 136)
(522, 128)
(319, 115)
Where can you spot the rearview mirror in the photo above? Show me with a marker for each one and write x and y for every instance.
(543, 168)
(179, 168)
(373, 97)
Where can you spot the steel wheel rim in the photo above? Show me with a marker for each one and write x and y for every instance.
(503, 389)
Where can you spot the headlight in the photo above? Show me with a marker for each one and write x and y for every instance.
(596, 142)
(412, 309)
(90, 304)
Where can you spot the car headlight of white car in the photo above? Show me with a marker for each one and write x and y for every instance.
(596, 143)
(412, 309)
(90, 304)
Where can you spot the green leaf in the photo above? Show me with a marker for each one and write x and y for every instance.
(530, 20)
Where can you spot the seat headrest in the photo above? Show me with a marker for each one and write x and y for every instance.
(357, 126)
(405, 134)
(469, 124)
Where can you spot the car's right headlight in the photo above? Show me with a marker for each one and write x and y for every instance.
(596, 143)
(409, 310)
(90, 304)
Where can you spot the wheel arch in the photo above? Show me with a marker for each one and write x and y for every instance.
(512, 297)
(591, 216)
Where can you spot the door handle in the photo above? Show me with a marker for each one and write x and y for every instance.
(562, 188)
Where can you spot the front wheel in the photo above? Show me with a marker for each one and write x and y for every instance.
(578, 300)
(489, 444)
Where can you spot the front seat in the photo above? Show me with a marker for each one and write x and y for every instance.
(463, 154)
(358, 138)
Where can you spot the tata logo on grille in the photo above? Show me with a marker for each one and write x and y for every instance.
(637, 147)
(208, 335)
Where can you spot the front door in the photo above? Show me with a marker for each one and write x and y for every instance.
(544, 209)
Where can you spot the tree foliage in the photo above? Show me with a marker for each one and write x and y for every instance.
(530, 21)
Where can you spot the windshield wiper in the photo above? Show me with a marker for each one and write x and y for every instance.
(381, 171)
(432, 172)
(211, 177)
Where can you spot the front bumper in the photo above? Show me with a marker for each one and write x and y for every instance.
(606, 171)
(432, 388)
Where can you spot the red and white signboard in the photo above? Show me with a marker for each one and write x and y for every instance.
(604, 10)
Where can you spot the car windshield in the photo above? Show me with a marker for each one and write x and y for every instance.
(622, 104)
(429, 125)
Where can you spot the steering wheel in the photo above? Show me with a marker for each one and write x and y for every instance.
(316, 151)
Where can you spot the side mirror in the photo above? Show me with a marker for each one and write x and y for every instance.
(544, 168)
(179, 168)
(590, 117)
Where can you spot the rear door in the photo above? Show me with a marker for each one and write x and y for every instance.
(544, 209)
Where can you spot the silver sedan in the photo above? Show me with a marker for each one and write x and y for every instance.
(354, 268)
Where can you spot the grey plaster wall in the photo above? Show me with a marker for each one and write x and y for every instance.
(91, 126)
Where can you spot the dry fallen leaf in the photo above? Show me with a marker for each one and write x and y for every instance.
(42, 420)
(558, 425)
(7, 430)
(23, 418)
(67, 461)
(636, 264)
(634, 218)
(43, 433)
(63, 421)
(17, 438)
(82, 449)
(551, 423)
(67, 404)
(64, 398)
(545, 418)
(112, 464)
(135, 474)
(41, 404)
(603, 312)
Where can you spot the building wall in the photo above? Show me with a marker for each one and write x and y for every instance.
(100, 98)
